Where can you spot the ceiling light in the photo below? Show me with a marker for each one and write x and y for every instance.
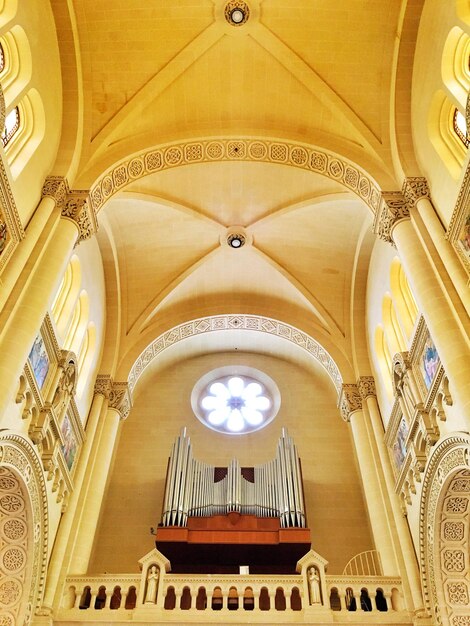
(236, 240)
(237, 16)
(236, 12)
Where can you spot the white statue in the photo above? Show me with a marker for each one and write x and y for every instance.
(314, 586)
(152, 582)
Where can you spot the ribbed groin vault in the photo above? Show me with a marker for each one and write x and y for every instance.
(234, 312)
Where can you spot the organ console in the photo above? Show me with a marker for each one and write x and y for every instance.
(207, 510)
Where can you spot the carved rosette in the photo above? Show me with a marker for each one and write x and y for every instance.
(103, 385)
(78, 208)
(415, 188)
(393, 208)
(366, 386)
(120, 399)
(350, 401)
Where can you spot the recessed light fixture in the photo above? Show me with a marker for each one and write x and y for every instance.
(237, 12)
(236, 240)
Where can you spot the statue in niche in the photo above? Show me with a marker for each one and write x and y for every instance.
(152, 583)
(65, 388)
(314, 585)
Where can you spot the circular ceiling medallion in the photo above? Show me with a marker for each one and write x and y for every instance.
(235, 400)
(237, 12)
(236, 240)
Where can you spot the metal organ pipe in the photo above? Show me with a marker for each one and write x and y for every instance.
(191, 489)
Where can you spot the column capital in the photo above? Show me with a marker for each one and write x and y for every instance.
(414, 188)
(366, 386)
(350, 401)
(74, 205)
(103, 385)
(120, 398)
(393, 208)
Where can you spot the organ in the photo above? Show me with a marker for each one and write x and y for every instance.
(208, 509)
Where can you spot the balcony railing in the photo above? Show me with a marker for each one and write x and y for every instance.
(223, 598)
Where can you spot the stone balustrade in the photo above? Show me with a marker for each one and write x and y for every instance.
(377, 599)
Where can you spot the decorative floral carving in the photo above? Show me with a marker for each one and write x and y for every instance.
(6, 619)
(415, 188)
(120, 398)
(458, 593)
(10, 592)
(462, 484)
(461, 620)
(11, 503)
(14, 529)
(454, 560)
(350, 401)
(7, 483)
(366, 386)
(240, 322)
(103, 385)
(453, 531)
(13, 559)
(393, 208)
(456, 505)
(296, 155)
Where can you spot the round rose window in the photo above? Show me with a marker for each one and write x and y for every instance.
(235, 400)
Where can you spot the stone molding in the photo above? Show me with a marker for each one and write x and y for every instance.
(120, 398)
(11, 228)
(18, 454)
(74, 205)
(350, 401)
(2, 110)
(292, 154)
(235, 322)
(366, 387)
(450, 459)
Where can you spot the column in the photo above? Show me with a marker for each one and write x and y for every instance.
(351, 411)
(119, 406)
(24, 312)
(407, 562)
(393, 224)
(58, 562)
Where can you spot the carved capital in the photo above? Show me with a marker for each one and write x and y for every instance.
(414, 188)
(120, 399)
(57, 188)
(350, 401)
(393, 208)
(103, 385)
(77, 207)
(366, 386)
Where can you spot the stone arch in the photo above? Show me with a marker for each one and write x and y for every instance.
(259, 150)
(23, 531)
(235, 322)
(445, 531)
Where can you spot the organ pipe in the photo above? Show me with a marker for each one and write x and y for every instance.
(191, 489)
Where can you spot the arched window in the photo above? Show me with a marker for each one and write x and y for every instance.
(66, 296)
(403, 299)
(460, 127)
(12, 126)
(78, 326)
(2, 58)
(384, 359)
(393, 333)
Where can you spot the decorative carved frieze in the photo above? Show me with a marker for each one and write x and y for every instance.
(74, 205)
(103, 385)
(366, 386)
(2, 110)
(415, 188)
(349, 401)
(393, 208)
(120, 398)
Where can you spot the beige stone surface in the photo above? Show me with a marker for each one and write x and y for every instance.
(333, 493)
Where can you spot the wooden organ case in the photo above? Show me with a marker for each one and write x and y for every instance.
(216, 519)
